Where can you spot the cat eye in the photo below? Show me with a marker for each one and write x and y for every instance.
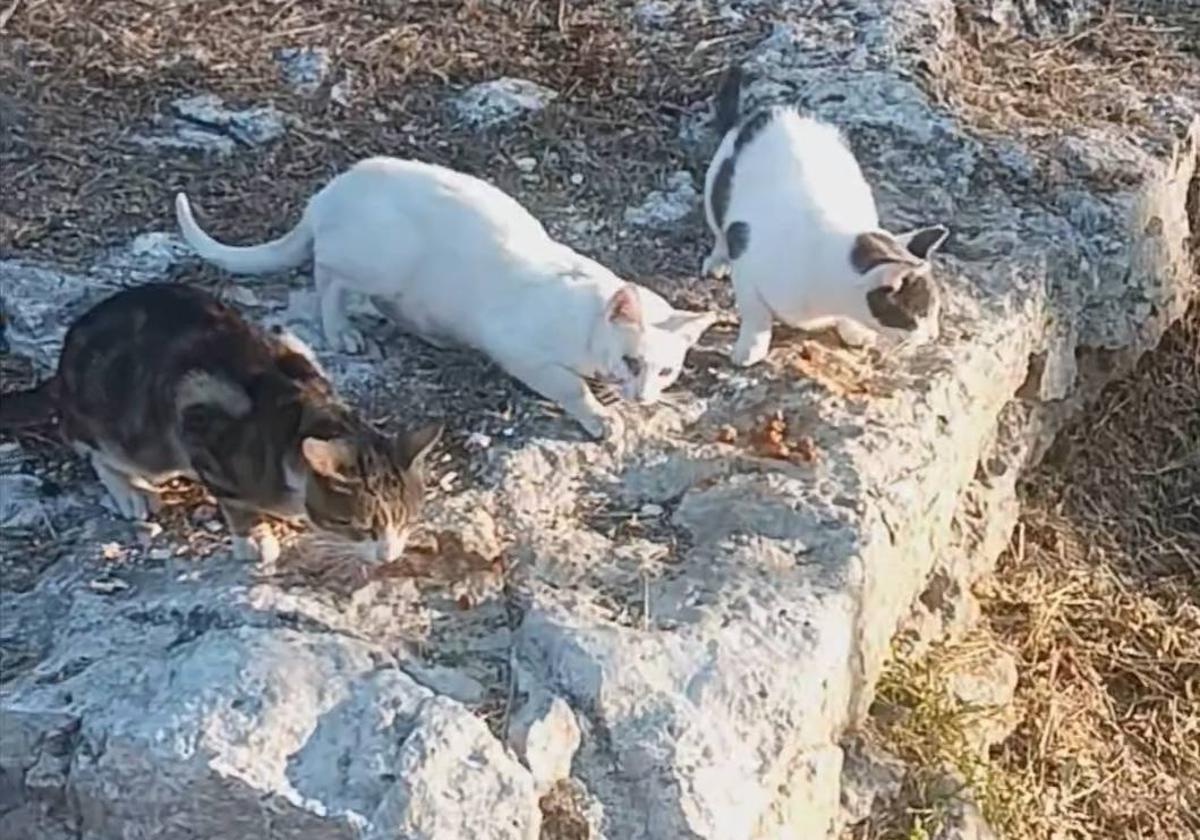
(633, 363)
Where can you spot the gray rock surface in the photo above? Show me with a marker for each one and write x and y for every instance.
(546, 736)
(500, 100)
(203, 123)
(712, 662)
(303, 68)
(668, 206)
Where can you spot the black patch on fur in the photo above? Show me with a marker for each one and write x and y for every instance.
(901, 309)
(728, 101)
(737, 239)
(875, 249)
(721, 189)
(752, 127)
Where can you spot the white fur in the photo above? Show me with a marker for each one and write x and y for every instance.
(800, 190)
(457, 261)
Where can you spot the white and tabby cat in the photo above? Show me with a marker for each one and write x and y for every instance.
(455, 260)
(796, 226)
(163, 380)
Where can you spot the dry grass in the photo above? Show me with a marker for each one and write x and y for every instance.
(1110, 72)
(1100, 596)
(78, 78)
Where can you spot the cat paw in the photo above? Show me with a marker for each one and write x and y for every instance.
(855, 336)
(749, 353)
(603, 426)
(261, 547)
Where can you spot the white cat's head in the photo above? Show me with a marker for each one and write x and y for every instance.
(643, 359)
(902, 297)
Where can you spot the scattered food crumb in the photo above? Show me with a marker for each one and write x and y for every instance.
(771, 440)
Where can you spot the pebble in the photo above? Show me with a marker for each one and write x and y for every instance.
(652, 510)
(213, 525)
(108, 586)
(526, 164)
(478, 440)
(576, 178)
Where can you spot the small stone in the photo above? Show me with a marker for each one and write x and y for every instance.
(147, 530)
(243, 295)
(576, 178)
(526, 164)
(546, 735)
(478, 440)
(203, 514)
(159, 554)
(108, 586)
(651, 510)
(112, 551)
(343, 91)
(213, 525)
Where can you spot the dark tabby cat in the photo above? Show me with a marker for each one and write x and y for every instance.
(165, 380)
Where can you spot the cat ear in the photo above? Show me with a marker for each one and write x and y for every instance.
(412, 447)
(922, 242)
(625, 306)
(876, 248)
(328, 457)
(689, 325)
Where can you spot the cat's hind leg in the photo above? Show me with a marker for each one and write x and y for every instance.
(754, 332)
(331, 296)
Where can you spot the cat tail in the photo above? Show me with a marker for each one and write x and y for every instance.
(288, 251)
(729, 100)
(33, 407)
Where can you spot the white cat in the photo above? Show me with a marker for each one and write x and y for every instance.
(455, 260)
(796, 226)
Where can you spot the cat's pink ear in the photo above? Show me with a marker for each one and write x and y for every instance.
(327, 457)
(625, 306)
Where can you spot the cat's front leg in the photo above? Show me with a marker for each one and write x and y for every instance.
(251, 536)
(331, 294)
(569, 390)
(754, 333)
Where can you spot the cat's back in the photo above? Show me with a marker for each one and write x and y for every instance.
(428, 196)
(797, 167)
(132, 348)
